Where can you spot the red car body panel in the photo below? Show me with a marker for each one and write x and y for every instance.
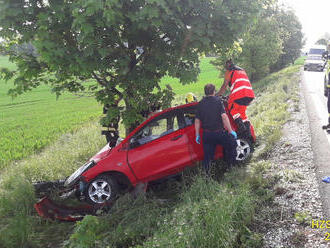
(166, 155)
(171, 156)
(115, 162)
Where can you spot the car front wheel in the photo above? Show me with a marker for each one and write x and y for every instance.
(244, 149)
(102, 189)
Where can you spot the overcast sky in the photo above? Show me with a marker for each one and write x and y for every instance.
(314, 16)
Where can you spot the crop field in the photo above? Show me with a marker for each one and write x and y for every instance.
(209, 74)
(35, 119)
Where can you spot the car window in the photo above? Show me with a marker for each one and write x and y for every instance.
(155, 129)
(314, 58)
(316, 51)
(189, 114)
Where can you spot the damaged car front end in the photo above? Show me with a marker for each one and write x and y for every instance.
(75, 185)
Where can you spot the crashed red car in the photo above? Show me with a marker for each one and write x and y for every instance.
(161, 146)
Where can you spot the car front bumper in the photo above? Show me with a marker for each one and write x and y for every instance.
(313, 67)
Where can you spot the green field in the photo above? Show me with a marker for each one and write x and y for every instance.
(209, 74)
(33, 120)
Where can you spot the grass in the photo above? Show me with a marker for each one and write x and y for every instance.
(209, 74)
(268, 112)
(196, 213)
(34, 120)
(19, 225)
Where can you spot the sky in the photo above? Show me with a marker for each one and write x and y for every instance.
(314, 15)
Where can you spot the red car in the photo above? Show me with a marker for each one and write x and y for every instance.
(161, 146)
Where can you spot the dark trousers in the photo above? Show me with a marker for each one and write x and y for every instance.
(328, 105)
(211, 140)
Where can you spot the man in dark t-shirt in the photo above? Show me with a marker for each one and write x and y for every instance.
(211, 116)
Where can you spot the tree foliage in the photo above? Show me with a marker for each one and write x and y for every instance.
(261, 46)
(274, 41)
(324, 40)
(291, 36)
(117, 49)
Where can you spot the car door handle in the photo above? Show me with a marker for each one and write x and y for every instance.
(176, 137)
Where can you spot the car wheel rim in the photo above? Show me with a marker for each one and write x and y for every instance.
(243, 150)
(99, 191)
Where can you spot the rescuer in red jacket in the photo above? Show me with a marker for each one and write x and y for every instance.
(241, 93)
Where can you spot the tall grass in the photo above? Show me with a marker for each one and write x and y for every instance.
(209, 215)
(18, 225)
(269, 112)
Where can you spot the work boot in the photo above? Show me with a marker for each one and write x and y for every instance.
(326, 126)
(247, 133)
(240, 125)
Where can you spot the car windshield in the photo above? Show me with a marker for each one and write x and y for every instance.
(316, 51)
(314, 58)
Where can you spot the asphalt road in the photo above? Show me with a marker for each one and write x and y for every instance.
(316, 104)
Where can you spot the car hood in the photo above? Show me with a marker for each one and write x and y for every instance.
(101, 154)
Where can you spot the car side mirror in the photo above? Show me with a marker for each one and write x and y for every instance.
(132, 143)
(125, 147)
(132, 140)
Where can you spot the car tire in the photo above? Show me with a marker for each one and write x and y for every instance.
(102, 189)
(244, 149)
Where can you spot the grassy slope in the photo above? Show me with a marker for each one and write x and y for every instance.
(190, 216)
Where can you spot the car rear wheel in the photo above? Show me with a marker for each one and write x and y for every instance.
(244, 149)
(102, 189)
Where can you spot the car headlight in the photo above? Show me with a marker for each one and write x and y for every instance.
(75, 175)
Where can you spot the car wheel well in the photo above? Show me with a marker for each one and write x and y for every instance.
(121, 179)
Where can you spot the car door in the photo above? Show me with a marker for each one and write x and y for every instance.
(159, 148)
(196, 150)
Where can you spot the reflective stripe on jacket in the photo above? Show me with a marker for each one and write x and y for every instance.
(240, 85)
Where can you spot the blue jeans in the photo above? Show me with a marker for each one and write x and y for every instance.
(211, 140)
